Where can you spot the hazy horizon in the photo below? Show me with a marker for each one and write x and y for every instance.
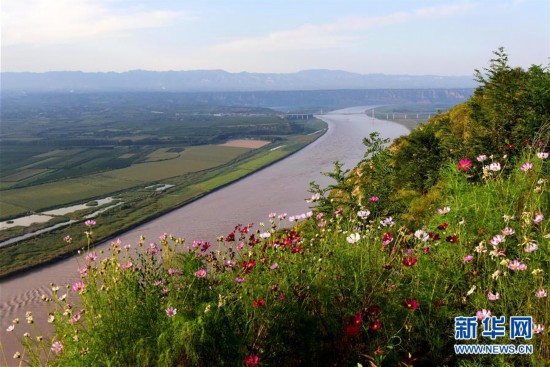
(427, 37)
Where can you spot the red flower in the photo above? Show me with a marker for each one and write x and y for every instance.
(375, 325)
(296, 248)
(356, 319)
(373, 310)
(258, 303)
(249, 265)
(352, 330)
(409, 261)
(426, 250)
(230, 237)
(464, 164)
(452, 239)
(410, 304)
(205, 247)
(251, 360)
(443, 226)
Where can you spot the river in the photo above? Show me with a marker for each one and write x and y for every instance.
(279, 188)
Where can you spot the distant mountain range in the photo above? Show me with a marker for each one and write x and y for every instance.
(220, 81)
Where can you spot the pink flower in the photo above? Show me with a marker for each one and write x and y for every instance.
(57, 347)
(541, 293)
(517, 265)
(75, 318)
(319, 216)
(373, 199)
(239, 280)
(493, 296)
(201, 273)
(464, 164)
(153, 249)
(496, 240)
(542, 155)
(68, 239)
(90, 223)
(508, 231)
(538, 328)
(78, 286)
(444, 210)
(274, 266)
(91, 256)
(83, 271)
(127, 265)
(251, 360)
(481, 314)
(538, 218)
(532, 247)
(526, 166)
(171, 311)
(481, 158)
(468, 258)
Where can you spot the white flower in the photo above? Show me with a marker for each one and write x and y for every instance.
(472, 290)
(421, 235)
(10, 328)
(265, 235)
(542, 155)
(495, 167)
(353, 238)
(363, 214)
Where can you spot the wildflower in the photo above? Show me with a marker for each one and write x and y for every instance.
(57, 347)
(68, 239)
(538, 218)
(493, 296)
(542, 155)
(496, 240)
(517, 265)
(272, 215)
(239, 280)
(127, 265)
(421, 235)
(373, 199)
(291, 218)
(443, 226)
(353, 238)
(16, 320)
(464, 164)
(526, 166)
(497, 253)
(251, 360)
(171, 311)
(363, 214)
(17, 355)
(91, 256)
(472, 290)
(240, 246)
(409, 261)
(538, 328)
(158, 283)
(541, 293)
(444, 210)
(536, 272)
(482, 314)
(531, 247)
(274, 266)
(201, 273)
(452, 239)
(387, 238)
(338, 211)
(78, 286)
(508, 231)
(322, 224)
(75, 318)
(387, 222)
(249, 265)
(314, 198)
(375, 325)
(373, 310)
(258, 303)
(495, 167)
(26, 335)
(153, 249)
(51, 318)
(480, 248)
(410, 304)
(10, 328)
(481, 158)
(83, 271)
(467, 258)
(90, 223)
(230, 263)
(309, 214)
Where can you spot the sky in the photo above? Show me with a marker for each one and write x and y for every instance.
(272, 36)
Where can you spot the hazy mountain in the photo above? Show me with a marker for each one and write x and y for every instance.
(219, 80)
